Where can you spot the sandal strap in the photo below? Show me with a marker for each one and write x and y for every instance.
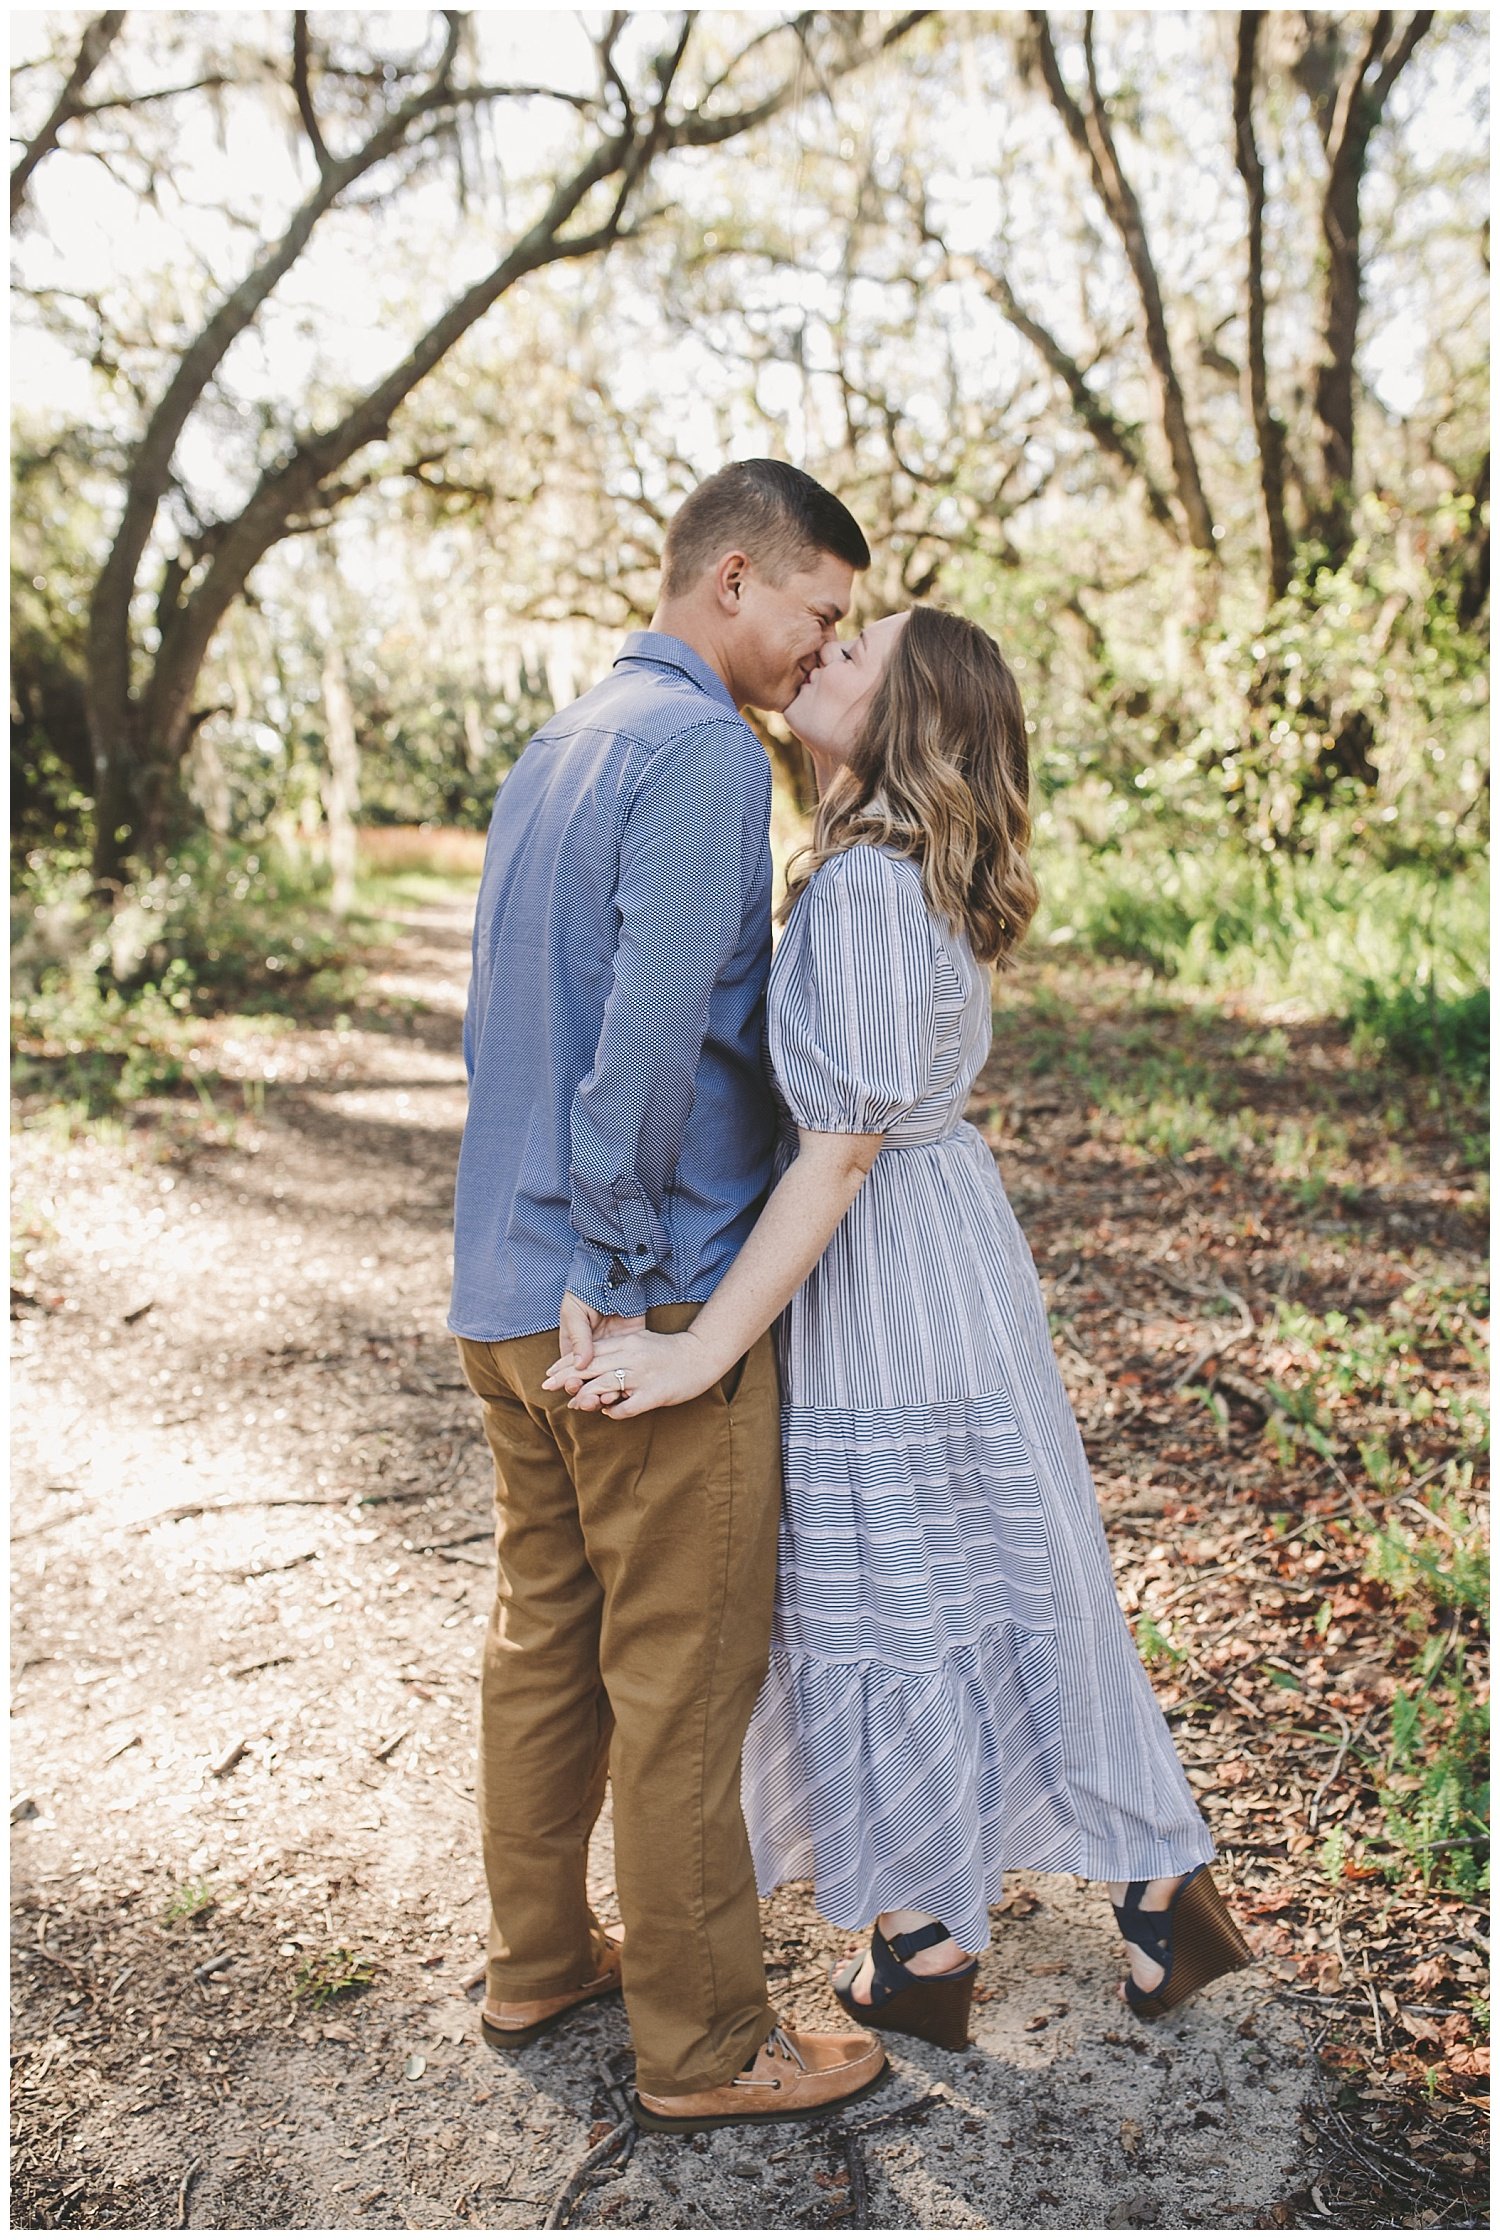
(890, 1955)
(1150, 1932)
(916, 1940)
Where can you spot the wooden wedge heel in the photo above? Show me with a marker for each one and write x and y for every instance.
(932, 2007)
(1194, 1939)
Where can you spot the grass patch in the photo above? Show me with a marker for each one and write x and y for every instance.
(381, 892)
(1166, 1074)
(1434, 1787)
(1392, 1374)
(1399, 1379)
(189, 1901)
(1397, 954)
(332, 1975)
(106, 1008)
(1419, 1029)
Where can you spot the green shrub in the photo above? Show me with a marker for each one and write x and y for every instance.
(1434, 1787)
(1419, 1029)
(1448, 1569)
(1399, 953)
(105, 1005)
(1436, 1798)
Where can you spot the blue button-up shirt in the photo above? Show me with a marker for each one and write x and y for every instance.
(620, 1126)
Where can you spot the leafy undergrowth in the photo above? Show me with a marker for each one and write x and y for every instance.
(172, 1010)
(1397, 951)
(1265, 1256)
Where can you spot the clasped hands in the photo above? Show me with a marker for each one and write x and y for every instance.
(614, 1365)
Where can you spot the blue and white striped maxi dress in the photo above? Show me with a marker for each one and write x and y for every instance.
(953, 1690)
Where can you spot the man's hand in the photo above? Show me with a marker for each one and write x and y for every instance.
(578, 1325)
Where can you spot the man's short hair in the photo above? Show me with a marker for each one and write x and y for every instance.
(773, 513)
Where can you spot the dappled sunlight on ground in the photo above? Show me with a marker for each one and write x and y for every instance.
(252, 1569)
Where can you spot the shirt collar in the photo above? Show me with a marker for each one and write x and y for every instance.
(671, 653)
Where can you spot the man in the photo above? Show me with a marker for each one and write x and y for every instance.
(617, 1150)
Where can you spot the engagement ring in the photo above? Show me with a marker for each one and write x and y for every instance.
(620, 1379)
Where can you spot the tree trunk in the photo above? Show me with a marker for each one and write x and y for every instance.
(152, 726)
(340, 777)
(1270, 436)
(1347, 127)
(114, 725)
(1333, 393)
(116, 810)
(1474, 569)
(473, 737)
(1092, 135)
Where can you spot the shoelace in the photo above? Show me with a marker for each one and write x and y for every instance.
(778, 2042)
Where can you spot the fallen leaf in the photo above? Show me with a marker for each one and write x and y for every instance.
(1021, 1904)
(1131, 2135)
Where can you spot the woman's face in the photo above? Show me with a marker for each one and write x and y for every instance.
(827, 713)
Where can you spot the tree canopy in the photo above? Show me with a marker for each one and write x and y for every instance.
(1157, 342)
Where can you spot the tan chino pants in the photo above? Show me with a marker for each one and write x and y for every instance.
(630, 1636)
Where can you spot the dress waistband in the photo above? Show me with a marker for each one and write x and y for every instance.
(925, 1139)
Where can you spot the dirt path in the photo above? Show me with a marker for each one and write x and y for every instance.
(250, 1506)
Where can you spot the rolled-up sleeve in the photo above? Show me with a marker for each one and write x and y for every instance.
(692, 849)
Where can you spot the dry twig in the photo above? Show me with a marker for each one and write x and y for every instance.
(623, 2135)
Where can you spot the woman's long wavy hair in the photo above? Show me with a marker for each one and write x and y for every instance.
(940, 774)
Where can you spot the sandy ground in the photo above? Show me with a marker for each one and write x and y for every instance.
(251, 1511)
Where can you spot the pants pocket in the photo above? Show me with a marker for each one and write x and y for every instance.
(729, 1385)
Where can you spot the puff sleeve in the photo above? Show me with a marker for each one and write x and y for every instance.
(853, 1043)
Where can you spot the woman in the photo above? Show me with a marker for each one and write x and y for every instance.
(953, 1690)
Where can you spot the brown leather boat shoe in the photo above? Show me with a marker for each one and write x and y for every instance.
(516, 2022)
(797, 2074)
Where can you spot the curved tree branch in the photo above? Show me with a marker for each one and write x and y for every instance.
(109, 640)
(302, 88)
(1091, 134)
(1114, 436)
(99, 36)
(140, 738)
(1356, 112)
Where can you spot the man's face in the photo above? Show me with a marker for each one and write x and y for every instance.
(783, 628)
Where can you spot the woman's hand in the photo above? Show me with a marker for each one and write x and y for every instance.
(633, 1373)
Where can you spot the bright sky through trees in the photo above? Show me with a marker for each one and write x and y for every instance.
(906, 273)
(334, 315)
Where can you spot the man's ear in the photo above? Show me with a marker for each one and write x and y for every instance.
(729, 579)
